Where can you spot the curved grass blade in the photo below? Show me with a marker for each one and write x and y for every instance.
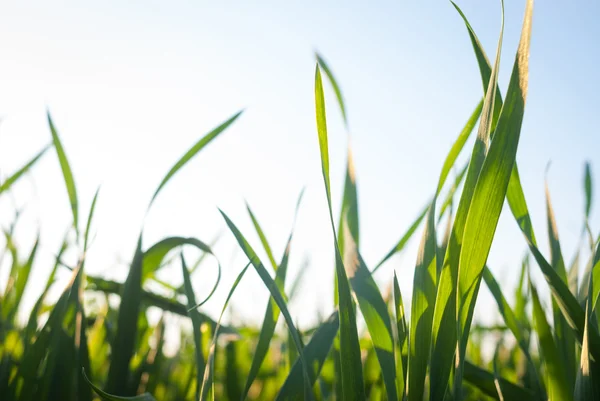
(198, 146)
(485, 381)
(492, 185)
(555, 369)
(154, 256)
(314, 353)
(196, 323)
(350, 355)
(19, 173)
(275, 294)
(110, 397)
(67, 173)
(207, 381)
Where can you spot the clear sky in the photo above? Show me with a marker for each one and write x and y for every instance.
(132, 85)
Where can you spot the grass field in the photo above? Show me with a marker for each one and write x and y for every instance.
(74, 349)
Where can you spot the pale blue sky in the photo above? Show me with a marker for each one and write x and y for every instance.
(132, 86)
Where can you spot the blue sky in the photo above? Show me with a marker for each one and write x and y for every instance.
(131, 87)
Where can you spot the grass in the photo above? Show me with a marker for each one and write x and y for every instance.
(73, 350)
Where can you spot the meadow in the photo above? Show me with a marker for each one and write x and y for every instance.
(370, 347)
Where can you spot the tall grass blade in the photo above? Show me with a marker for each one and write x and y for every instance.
(272, 313)
(275, 294)
(402, 338)
(558, 388)
(123, 344)
(565, 339)
(67, 173)
(492, 185)
(196, 323)
(426, 277)
(351, 365)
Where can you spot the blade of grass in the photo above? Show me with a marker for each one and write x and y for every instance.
(8, 183)
(207, 381)
(272, 312)
(263, 238)
(402, 339)
(110, 397)
(67, 173)
(197, 147)
(314, 354)
(565, 339)
(491, 188)
(351, 364)
(426, 276)
(555, 369)
(485, 381)
(196, 323)
(275, 293)
(123, 344)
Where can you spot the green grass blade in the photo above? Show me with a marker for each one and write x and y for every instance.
(196, 323)
(350, 354)
(426, 277)
(198, 146)
(450, 195)
(19, 173)
(154, 256)
(402, 337)
(263, 238)
(89, 220)
(110, 397)
(67, 173)
(492, 184)
(272, 313)
(334, 84)
(587, 185)
(374, 310)
(314, 354)
(123, 344)
(13, 299)
(403, 240)
(565, 339)
(558, 388)
(585, 389)
(485, 381)
(207, 381)
(511, 321)
(275, 293)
